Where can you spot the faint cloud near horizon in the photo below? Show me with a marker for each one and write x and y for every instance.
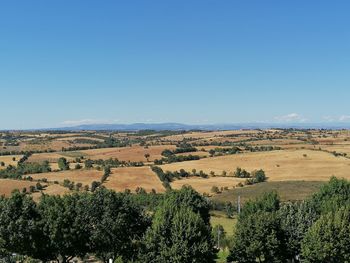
(344, 118)
(292, 117)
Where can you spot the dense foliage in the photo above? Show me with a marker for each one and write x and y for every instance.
(108, 225)
(315, 230)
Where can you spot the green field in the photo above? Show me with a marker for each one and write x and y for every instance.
(219, 218)
(287, 190)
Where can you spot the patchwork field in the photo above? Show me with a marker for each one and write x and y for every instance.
(304, 161)
(133, 177)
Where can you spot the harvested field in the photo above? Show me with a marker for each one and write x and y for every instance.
(80, 138)
(208, 135)
(7, 159)
(283, 165)
(52, 189)
(51, 157)
(133, 154)
(203, 185)
(54, 166)
(132, 177)
(8, 185)
(86, 177)
(199, 153)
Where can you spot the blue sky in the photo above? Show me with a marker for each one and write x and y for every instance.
(72, 62)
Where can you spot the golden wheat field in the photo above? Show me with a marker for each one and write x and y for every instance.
(279, 165)
(86, 177)
(132, 177)
(8, 185)
(205, 185)
(134, 154)
(8, 160)
(52, 189)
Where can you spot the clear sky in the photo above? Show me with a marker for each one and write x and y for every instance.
(65, 62)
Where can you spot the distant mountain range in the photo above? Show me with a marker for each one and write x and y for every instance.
(205, 127)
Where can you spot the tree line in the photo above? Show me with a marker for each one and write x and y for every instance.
(107, 225)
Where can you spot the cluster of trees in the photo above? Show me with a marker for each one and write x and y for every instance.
(261, 148)
(107, 225)
(257, 176)
(107, 143)
(184, 148)
(176, 158)
(168, 176)
(23, 169)
(25, 157)
(113, 163)
(222, 151)
(315, 230)
(4, 153)
(63, 164)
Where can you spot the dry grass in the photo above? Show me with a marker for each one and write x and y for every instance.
(53, 189)
(86, 177)
(54, 166)
(204, 185)
(51, 157)
(7, 159)
(208, 135)
(133, 154)
(283, 165)
(8, 185)
(132, 177)
(80, 137)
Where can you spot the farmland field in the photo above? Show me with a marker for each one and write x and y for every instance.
(288, 191)
(279, 165)
(204, 185)
(302, 160)
(8, 160)
(7, 186)
(133, 177)
(86, 177)
(133, 154)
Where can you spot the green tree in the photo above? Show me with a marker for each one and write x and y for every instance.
(296, 219)
(177, 235)
(187, 196)
(258, 234)
(328, 240)
(63, 164)
(19, 229)
(259, 176)
(258, 237)
(64, 222)
(88, 164)
(332, 196)
(118, 225)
